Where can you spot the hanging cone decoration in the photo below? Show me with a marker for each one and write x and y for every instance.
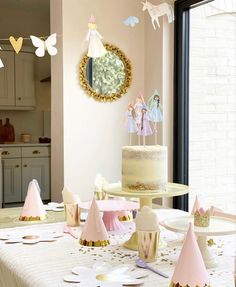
(190, 269)
(94, 232)
(33, 208)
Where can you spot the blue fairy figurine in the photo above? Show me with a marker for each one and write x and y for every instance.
(155, 108)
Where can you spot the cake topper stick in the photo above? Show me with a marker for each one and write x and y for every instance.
(138, 113)
(155, 111)
(131, 124)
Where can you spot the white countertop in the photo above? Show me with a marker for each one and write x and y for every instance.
(21, 144)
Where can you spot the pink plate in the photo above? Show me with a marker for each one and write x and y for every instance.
(111, 205)
(111, 209)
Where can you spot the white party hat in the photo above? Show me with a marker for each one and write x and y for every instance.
(33, 208)
(94, 232)
(190, 269)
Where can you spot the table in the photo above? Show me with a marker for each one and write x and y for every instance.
(145, 198)
(9, 218)
(45, 264)
(219, 226)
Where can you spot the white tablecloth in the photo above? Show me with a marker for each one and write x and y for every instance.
(45, 264)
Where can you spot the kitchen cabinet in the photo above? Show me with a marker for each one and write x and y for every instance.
(7, 79)
(36, 165)
(22, 164)
(12, 180)
(17, 81)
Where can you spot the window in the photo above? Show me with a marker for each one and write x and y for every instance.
(190, 108)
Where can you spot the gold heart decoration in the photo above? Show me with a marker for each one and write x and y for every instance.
(16, 44)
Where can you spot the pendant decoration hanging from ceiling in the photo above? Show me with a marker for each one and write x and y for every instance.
(155, 11)
(43, 44)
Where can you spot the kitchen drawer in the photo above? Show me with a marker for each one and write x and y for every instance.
(11, 152)
(36, 151)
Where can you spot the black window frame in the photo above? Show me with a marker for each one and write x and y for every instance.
(181, 96)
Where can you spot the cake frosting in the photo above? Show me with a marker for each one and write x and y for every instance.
(144, 168)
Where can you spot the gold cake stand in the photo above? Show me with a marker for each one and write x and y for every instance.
(145, 198)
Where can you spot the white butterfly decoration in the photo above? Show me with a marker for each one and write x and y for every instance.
(1, 63)
(47, 45)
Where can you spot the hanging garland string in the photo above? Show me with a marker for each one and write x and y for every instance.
(43, 43)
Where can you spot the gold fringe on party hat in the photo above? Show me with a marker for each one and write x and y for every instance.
(94, 232)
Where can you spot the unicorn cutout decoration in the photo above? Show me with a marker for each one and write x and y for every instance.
(155, 11)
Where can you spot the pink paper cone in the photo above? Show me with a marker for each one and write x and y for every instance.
(94, 232)
(190, 269)
(214, 211)
(33, 208)
(196, 205)
(92, 19)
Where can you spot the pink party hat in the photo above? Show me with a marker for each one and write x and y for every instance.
(94, 232)
(33, 208)
(190, 269)
(92, 19)
(196, 205)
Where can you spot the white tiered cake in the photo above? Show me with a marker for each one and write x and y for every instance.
(144, 168)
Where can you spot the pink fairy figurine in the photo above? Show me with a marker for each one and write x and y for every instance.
(96, 48)
(131, 125)
(145, 128)
(138, 110)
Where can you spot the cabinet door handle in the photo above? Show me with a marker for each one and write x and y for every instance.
(25, 165)
(19, 98)
(36, 152)
(6, 152)
(17, 166)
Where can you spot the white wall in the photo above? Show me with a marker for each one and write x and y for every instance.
(94, 132)
(159, 50)
(57, 135)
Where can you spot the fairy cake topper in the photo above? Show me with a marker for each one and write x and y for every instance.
(142, 118)
(95, 48)
(145, 128)
(155, 109)
(138, 120)
(130, 122)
